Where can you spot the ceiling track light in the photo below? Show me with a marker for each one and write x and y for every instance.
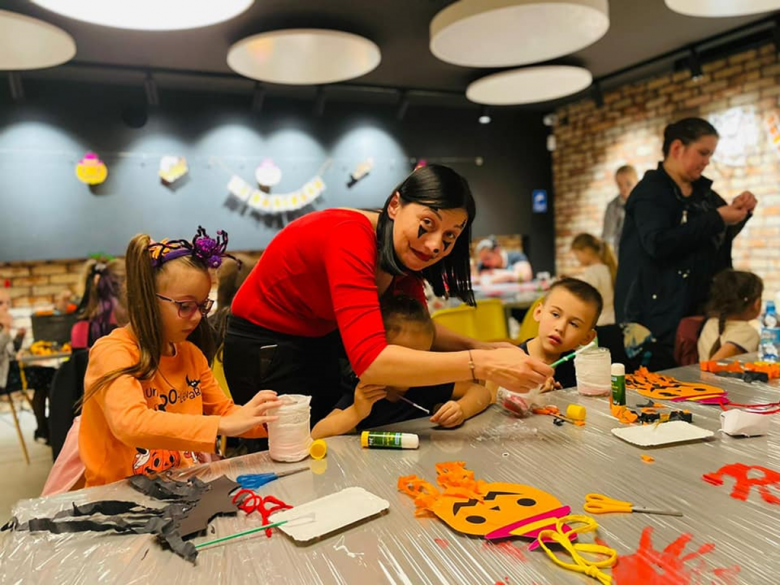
(15, 84)
(319, 102)
(403, 105)
(150, 88)
(484, 115)
(694, 64)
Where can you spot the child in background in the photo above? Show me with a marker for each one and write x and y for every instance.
(735, 299)
(408, 324)
(600, 271)
(150, 400)
(566, 318)
(102, 308)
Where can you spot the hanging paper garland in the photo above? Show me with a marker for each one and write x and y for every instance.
(268, 174)
(91, 170)
(265, 203)
(173, 168)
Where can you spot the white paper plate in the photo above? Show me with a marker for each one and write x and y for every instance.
(664, 434)
(329, 514)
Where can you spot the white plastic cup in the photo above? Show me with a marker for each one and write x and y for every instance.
(593, 370)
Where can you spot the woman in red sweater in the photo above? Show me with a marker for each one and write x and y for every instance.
(314, 296)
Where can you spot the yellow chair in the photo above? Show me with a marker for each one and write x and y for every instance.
(529, 328)
(218, 369)
(459, 319)
(490, 320)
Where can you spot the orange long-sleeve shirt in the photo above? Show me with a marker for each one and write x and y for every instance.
(135, 427)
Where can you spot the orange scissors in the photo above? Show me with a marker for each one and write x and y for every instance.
(599, 504)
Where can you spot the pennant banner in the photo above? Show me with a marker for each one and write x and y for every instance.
(265, 203)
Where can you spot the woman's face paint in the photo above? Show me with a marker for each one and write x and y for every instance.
(424, 235)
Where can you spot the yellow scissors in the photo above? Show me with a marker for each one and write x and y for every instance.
(599, 504)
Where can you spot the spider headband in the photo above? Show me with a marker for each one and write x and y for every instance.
(208, 250)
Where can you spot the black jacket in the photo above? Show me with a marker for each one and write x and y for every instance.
(671, 248)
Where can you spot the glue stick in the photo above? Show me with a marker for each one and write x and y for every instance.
(376, 439)
(618, 384)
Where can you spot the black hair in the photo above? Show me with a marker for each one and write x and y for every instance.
(687, 130)
(437, 187)
(732, 293)
(398, 310)
(583, 291)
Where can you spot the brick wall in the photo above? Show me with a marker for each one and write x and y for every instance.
(35, 285)
(739, 95)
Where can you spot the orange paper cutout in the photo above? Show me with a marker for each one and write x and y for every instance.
(660, 387)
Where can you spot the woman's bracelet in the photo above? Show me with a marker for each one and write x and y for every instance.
(473, 367)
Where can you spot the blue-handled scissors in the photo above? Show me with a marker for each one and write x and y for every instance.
(253, 481)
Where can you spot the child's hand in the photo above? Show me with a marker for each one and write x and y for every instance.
(249, 416)
(551, 384)
(365, 397)
(449, 415)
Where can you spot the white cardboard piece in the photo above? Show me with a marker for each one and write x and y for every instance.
(663, 434)
(326, 515)
(741, 422)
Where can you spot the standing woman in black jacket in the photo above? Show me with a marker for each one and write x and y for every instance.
(677, 235)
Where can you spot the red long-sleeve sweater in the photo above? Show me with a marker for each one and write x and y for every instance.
(319, 274)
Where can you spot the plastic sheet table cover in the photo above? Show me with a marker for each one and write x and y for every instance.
(397, 548)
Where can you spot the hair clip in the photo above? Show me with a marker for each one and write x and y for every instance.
(208, 250)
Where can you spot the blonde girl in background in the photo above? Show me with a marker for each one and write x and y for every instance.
(600, 271)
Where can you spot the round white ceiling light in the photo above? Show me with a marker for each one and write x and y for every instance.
(722, 8)
(503, 33)
(29, 43)
(529, 85)
(149, 14)
(304, 56)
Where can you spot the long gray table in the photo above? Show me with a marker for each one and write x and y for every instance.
(398, 548)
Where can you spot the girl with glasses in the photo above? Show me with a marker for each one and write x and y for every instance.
(151, 402)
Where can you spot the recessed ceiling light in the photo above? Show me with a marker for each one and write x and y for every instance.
(304, 56)
(502, 33)
(718, 8)
(148, 14)
(528, 85)
(29, 43)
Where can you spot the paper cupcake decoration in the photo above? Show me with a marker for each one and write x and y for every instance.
(173, 168)
(91, 170)
(265, 203)
(268, 174)
(363, 169)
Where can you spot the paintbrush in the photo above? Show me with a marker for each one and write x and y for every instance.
(425, 410)
(244, 533)
(571, 356)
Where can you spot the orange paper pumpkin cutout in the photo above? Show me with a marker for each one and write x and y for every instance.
(493, 510)
(660, 387)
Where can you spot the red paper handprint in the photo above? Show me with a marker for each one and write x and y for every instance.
(670, 566)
